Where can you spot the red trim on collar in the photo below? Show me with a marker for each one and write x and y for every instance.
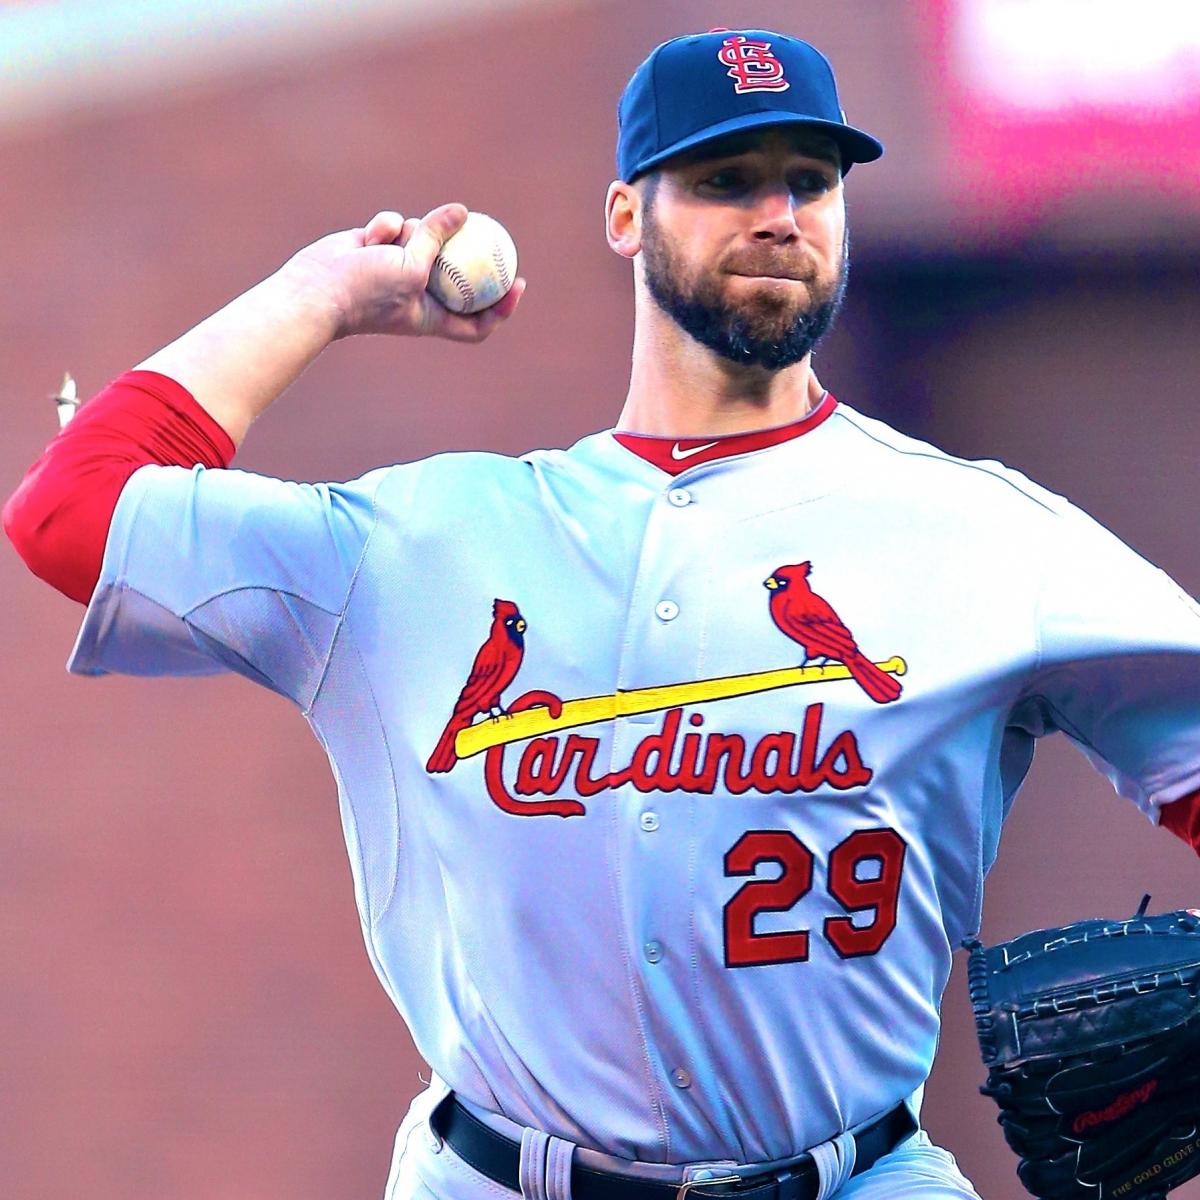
(674, 455)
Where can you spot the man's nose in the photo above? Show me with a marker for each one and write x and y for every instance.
(775, 215)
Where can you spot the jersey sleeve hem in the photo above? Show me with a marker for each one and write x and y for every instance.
(129, 630)
(1187, 787)
(116, 603)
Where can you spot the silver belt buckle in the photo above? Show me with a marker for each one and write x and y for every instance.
(685, 1187)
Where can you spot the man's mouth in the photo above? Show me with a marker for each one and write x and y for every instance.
(783, 275)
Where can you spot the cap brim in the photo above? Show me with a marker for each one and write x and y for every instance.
(855, 145)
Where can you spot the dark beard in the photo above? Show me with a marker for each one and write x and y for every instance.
(764, 339)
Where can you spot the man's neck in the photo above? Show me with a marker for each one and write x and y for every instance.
(678, 388)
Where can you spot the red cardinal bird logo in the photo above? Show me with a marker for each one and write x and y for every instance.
(808, 619)
(495, 667)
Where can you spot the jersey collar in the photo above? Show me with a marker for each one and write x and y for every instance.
(675, 455)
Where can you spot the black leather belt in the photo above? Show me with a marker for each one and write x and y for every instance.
(499, 1158)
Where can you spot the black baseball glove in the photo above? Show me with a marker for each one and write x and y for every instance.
(1091, 1036)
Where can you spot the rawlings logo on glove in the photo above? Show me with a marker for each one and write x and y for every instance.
(1091, 1036)
(1120, 1107)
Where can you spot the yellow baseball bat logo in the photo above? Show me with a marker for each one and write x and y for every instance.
(588, 710)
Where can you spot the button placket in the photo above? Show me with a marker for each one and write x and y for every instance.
(657, 652)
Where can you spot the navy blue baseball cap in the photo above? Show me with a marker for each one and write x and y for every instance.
(702, 86)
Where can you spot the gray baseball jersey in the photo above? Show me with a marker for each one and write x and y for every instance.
(668, 799)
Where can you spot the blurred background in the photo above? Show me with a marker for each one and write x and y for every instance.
(186, 1008)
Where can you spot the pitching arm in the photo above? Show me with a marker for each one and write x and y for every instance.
(370, 280)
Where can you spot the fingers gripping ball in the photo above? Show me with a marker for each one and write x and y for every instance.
(476, 266)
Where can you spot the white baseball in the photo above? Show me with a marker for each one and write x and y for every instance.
(476, 266)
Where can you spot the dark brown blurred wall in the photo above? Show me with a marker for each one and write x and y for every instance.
(187, 1009)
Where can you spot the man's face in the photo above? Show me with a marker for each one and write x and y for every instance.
(744, 244)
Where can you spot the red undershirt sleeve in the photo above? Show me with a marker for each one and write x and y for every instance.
(1182, 818)
(58, 518)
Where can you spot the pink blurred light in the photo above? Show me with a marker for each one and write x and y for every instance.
(1046, 100)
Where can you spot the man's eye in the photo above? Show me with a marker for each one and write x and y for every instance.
(812, 181)
(804, 183)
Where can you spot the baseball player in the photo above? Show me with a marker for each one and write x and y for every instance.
(665, 883)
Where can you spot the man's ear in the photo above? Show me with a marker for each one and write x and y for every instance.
(623, 218)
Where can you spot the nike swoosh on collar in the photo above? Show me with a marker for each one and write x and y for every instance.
(679, 455)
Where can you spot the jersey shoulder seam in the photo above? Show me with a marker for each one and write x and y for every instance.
(194, 610)
(935, 455)
(341, 614)
(230, 591)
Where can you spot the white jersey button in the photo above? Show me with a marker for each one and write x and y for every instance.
(680, 497)
(666, 610)
(680, 1078)
(653, 951)
(649, 821)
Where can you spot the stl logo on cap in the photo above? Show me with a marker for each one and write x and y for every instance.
(752, 66)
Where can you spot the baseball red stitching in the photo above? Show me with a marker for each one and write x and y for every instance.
(457, 278)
